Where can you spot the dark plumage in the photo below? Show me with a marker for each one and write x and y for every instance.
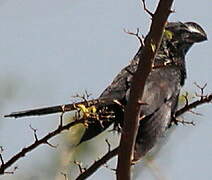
(162, 87)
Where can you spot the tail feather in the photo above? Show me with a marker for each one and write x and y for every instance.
(59, 108)
(36, 112)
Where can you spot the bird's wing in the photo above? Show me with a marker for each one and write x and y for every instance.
(121, 83)
(151, 129)
(161, 95)
(161, 85)
(116, 90)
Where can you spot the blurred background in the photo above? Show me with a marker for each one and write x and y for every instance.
(50, 50)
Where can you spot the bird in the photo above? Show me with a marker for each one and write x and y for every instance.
(161, 91)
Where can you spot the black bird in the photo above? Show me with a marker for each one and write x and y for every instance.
(162, 87)
(161, 90)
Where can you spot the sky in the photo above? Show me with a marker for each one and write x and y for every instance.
(50, 50)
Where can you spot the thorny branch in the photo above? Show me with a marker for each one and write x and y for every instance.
(58, 130)
(132, 113)
(89, 171)
(111, 153)
(202, 100)
(38, 142)
(201, 95)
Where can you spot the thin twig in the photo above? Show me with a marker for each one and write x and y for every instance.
(108, 167)
(145, 8)
(182, 121)
(61, 116)
(37, 143)
(204, 100)
(79, 165)
(89, 171)
(2, 161)
(108, 144)
(51, 145)
(141, 39)
(34, 132)
(195, 113)
(202, 88)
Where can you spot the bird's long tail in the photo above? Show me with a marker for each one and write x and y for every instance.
(109, 111)
(59, 108)
(40, 111)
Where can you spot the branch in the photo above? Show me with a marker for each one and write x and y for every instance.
(88, 172)
(97, 164)
(146, 9)
(136, 35)
(38, 142)
(132, 113)
(203, 100)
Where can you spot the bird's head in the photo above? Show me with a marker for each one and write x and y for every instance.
(183, 35)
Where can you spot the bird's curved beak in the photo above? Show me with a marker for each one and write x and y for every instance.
(199, 37)
(197, 34)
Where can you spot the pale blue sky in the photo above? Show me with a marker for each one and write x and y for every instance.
(54, 49)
